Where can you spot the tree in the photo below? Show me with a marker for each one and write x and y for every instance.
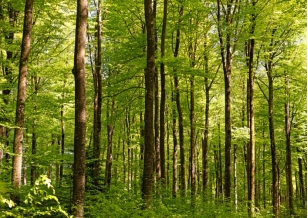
(148, 113)
(97, 80)
(80, 109)
(251, 119)
(163, 96)
(229, 13)
(21, 98)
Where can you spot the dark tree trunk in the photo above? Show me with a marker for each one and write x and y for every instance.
(148, 115)
(35, 85)
(175, 149)
(62, 142)
(191, 51)
(192, 142)
(110, 128)
(251, 145)
(302, 193)
(21, 98)
(80, 110)
(97, 79)
(226, 56)
(179, 110)
(156, 163)
(275, 178)
(235, 176)
(289, 181)
(163, 97)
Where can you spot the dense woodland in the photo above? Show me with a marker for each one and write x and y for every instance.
(154, 108)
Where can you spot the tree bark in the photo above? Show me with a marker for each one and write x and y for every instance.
(175, 149)
(289, 181)
(251, 147)
(192, 142)
(21, 98)
(275, 178)
(163, 96)
(226, 55)
(80, 110)
(97, 79)
(110, 128)
(35, 85)
(148, 115)
(179, 110)
(302, 193)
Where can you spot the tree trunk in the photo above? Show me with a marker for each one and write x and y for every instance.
(35, 85)
(97, 79)
(21, 98)
(192, 142)
(148, 115)
(235, 176)
(275, 197)
(302, 193)
(226, 56)
(251, 146)
(205, 140)
(80, 110)
(110, 128)
(288, 149)
(175, 148)
(62, 142)
(179, 110)
(163, 96)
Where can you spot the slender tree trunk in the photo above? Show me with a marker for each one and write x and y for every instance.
(129, 149)
(302, 193)
(264, 170)
(219, 185)
(275, 178)
(251, 146)
(21, 98)
(124, 161)
(97, 79)
(179, 110)
(148, 115)
(226, 55)
(205, 140)
(163, 96)
(156, 111)
(175, 148)
(235, 176)
(62, 142)
(110, 128)
(35, 85)
(80, 110)
(289, 182)
(192, 142)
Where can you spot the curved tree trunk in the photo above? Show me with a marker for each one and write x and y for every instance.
(21, 98)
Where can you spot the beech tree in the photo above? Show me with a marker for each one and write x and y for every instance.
(21, 98)
(148, 113)
(80, 109)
